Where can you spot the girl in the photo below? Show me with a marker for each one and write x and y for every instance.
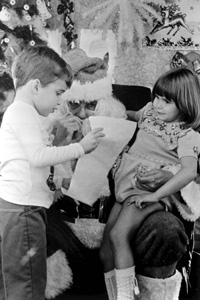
(26, 186)
(167, 136)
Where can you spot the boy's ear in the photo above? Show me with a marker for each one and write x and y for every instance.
(35, 85)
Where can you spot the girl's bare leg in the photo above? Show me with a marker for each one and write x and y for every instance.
(128, 222)
(107, 255)
(106, 251)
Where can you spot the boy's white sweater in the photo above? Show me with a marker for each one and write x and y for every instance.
(26, 156)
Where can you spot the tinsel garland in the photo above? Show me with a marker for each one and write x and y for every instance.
(13, 41)
(131, 16)
(28, 23)
(20, 5)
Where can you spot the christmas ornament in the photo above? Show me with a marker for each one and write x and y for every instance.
(66, 7)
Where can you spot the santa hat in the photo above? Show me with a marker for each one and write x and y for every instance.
(91, 79)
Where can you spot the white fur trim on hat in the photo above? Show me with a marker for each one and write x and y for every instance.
(90, 91)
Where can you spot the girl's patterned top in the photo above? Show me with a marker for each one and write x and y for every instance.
(169, 132)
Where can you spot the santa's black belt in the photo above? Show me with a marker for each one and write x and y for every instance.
(72, 211)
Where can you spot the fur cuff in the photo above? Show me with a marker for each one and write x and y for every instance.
(191, 195)
(59, 275)
(190, 211)
(88, 231)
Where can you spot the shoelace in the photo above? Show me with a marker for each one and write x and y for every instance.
(136, 287)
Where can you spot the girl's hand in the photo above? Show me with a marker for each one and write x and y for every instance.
(133, 115)
(142, 200)
(91, 140)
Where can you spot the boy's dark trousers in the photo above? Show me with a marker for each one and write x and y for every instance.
(23, 252)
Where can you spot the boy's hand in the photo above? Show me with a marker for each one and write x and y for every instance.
(91, 140)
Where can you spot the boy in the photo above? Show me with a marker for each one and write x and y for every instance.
(40, 77)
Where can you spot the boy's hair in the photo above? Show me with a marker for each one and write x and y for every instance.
(6, 84)
(181, 85)
(40, 62)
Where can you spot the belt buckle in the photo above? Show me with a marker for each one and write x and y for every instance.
(85, 211)
(77, 210)
(101, 208)
(105, 207)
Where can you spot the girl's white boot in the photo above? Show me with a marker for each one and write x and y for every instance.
(127, 286)
(159, 289)
(111, 287)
